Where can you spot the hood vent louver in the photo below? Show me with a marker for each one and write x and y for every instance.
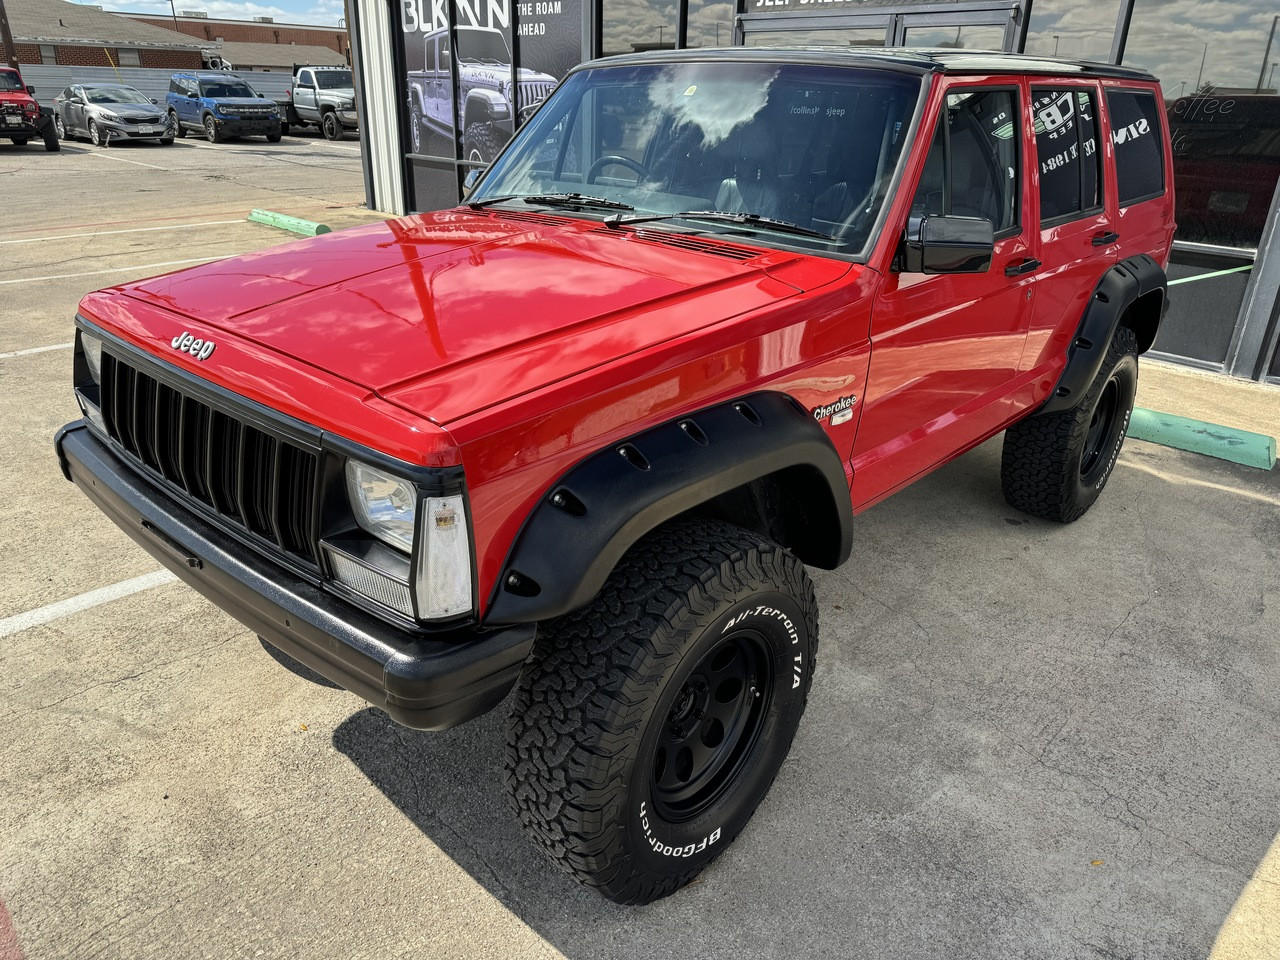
(684, 242)
(542, 218)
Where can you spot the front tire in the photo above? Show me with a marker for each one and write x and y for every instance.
(95, 135)
(331, 126)
(211, 131)
(481, 142)
(1055, 466)
(648, 727)
(179, 130)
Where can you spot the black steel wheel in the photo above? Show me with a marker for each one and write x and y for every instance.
(712, 727)
(647, 727)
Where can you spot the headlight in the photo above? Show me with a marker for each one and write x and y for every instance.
(108, 115)
(221, 109)
(384, 505)
(88, 395)
(346, 104)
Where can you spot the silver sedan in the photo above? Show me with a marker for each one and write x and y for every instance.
(108, 113)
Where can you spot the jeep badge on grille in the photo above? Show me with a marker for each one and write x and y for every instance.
(198, 348)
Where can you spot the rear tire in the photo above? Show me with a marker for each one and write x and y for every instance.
(20, 141)
(1055, 466)
(648, 727)
(273, 138)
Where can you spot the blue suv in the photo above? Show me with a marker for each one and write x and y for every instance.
(220, 105)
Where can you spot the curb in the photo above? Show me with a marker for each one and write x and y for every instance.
(308, 228)
(1211, 439)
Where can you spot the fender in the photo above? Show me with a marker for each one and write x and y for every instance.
(1135, 287)
(718, 460)
(485, 106)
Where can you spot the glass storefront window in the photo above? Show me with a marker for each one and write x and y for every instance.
(846, 37)
(969, 37)
(1072, 29)
(1223, 111)
(628, 26)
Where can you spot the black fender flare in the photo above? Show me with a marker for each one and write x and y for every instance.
(598, 509)
(1134, 288)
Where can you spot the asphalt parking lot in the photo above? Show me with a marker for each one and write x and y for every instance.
(1024, 740)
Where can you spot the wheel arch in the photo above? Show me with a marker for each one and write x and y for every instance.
(1132, 294)
(760, 462)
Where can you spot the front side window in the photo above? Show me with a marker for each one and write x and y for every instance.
(814, 147)
(1067, 152)
(972, 168)
(1135, 128)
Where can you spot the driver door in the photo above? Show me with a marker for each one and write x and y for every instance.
(945, 349)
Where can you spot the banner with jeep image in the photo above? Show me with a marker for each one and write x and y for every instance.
(509, 56)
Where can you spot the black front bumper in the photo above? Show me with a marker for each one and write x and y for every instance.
(430, 682)
(236, 127)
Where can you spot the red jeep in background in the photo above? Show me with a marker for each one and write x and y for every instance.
(581, 434)
(21, 118)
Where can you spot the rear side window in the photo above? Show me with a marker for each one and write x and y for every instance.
(1067, 152)
(1135, 128)
(972, 166)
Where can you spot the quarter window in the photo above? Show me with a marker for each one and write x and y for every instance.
(1067, 152)
(1135, 128)
(972, 166)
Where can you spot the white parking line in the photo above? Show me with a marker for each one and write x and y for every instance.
(94, 273)
(105, 233)
(31, 350)
(94, 598)
(136, 163)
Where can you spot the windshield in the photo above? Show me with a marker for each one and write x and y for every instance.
(226, 88)
(9, 82)
(333, 79)
(114, 95)
(813, 146)
(484, 46)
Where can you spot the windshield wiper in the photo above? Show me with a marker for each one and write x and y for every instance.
(576, 200)
(745, 219)
(489, 201)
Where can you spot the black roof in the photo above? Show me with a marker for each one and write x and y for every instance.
(911, 60)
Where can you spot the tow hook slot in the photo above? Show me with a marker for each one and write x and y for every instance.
(171, 546)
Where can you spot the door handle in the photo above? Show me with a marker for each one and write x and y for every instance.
(1023, 266)
(1105, 239)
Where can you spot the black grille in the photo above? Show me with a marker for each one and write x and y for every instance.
(137, 120)
(259, 482)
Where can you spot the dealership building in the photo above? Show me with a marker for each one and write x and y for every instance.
(448, 80)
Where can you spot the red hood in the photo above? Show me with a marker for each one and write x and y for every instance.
(453, 311)
(16, 96)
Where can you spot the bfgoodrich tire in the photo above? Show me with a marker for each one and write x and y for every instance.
(1054, 466)
(648, 727)
(481, 142)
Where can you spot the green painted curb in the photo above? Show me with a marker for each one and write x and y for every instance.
(1225, 443)
(308, 228)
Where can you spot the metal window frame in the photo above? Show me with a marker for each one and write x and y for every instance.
(896, 19)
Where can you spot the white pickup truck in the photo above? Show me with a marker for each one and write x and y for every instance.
(324, 96)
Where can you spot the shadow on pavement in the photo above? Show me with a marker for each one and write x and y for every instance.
(1024, 740)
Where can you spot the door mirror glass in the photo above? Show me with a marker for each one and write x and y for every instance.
(193, 95)
(951, 245)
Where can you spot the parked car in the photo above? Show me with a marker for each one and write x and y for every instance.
(580, 435)
(21, 118)
(325, 96)
(106, 112)
(221, 105)
(486, 101)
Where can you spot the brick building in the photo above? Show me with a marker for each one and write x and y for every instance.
(260, 30)
(69, 34)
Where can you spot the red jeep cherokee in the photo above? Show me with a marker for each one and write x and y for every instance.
(21, 119)
(581, 435)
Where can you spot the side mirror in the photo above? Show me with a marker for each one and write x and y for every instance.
(951, 245)
(193, 95)
(154, 100)
(472, 178)
(262, 96)
(31, 90)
